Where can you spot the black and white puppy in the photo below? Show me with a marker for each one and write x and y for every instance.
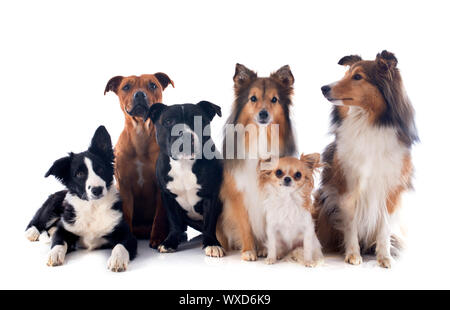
(88, 213)
(189, 172)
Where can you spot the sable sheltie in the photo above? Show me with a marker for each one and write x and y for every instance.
(259, 104)
(368, 166)
(286, 200)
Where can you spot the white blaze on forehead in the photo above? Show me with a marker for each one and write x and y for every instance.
(93, 180)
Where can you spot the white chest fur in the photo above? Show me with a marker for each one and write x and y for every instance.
(285, 214)
(372, 160)
(93, 219)
(246, 180)
(184, 185)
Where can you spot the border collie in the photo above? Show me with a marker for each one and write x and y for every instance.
(88, 213)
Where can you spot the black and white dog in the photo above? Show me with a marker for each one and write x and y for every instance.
(188, 172)
(89, 212)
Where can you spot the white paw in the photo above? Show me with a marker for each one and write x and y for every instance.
(249, 256)
(384, 261)
(270, 260)
(32, 234)
(353, 258)
(313, 263)
(56, 255)
(214, 251)
(262, 252)
(119, 259)
(163, 249)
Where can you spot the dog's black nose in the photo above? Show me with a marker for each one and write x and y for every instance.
(263, 115)
(97, 190)
(140, 95)
(325, 89)
(287, 180)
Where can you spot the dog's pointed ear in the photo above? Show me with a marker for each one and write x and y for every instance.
(113, 84)
(164, 79)
(61, 169)
(349, 60)
(386, 61)
(265, 166)
(311, 160)
(243, 75)
(210, 109)
(155, 111)
(284, 76)
(101, 144)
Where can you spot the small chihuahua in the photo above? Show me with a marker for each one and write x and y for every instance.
(286, 192)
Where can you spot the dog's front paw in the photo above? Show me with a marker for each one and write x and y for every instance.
(119, 259)
(270, 260)
(249, 256)
(163, 249)
(170, 244)
(156, 239)
(262, 252)
(214, 251)
(313, 263)
(32, 234)
(384, 261)
(56, 255)
(353, 258)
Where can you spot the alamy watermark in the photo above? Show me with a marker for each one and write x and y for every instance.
(259, 142)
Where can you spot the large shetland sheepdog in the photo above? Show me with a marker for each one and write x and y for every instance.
(368, 166)
(261, 106)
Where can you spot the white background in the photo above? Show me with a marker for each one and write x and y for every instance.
(55, 60)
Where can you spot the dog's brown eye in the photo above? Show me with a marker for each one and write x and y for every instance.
(80, 174)
(279, 173)
(152, 86)
(253, 98)
(274, 100)
(168, 122)
(357, 77)
(297, 175)
(126, 87)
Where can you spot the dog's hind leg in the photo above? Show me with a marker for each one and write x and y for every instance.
(160, 227)
(46, 216)
(127, 205)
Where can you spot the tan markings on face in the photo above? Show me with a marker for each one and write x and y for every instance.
(139, 83)
(354, 89)
(264, 90)
(290, 166)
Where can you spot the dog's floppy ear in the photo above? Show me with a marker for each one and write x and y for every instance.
(311, 160)
(101, 144)
(349, 60)
(386, 61)
(284, 75)
(210, 109)
(155, 111)
(113, 84)
(61, 169)
(164, 79)
(243, 75)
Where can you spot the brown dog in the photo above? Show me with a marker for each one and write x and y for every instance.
(136, 153)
